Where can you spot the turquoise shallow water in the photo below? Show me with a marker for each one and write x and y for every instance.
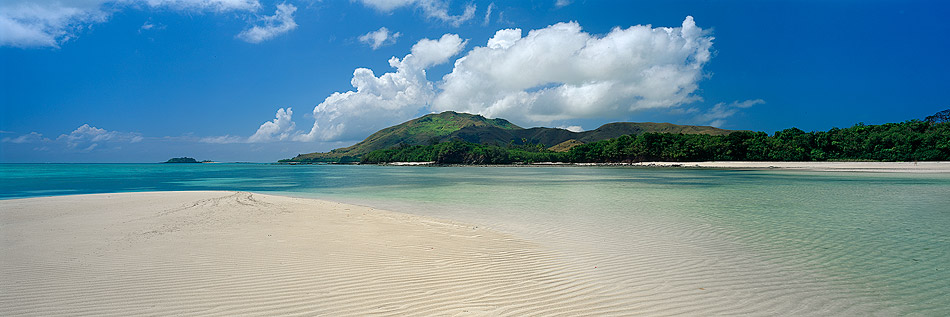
(866, 242)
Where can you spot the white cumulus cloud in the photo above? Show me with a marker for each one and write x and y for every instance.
(433, 9)
(281, 22)
(562, 3)
(560, 72)
(87, 137)
(281, 128)
(379, 38)
(381, 101)
(49, 23)
(428, 52)
(557, 73)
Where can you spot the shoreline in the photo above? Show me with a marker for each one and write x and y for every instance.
(906, 167)
(818, 166)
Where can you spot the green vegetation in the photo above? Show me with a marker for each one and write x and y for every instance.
(556, 136)
(913, 140)
(451, 126)
(939, 117)
(182, 160)
(565, 146)
(428, 129)
(462, 152)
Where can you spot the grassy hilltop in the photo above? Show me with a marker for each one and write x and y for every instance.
(428, 129)
(448, 126)
(912, 140)
(459, 138)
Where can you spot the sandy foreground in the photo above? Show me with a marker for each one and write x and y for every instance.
(237, 253)
(904, 167)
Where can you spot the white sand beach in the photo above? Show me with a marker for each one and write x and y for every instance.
(903, 167)
(239, 253)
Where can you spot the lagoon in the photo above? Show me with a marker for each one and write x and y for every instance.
(670, 240)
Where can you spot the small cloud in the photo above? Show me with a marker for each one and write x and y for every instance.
(428, 52)
(433, 9)
(89, 137)
(379, 38)
(572, 128)
(716, 116)
(148, 26)
(387, 5)
(204, 5)
(32, 137)
(224, 139)
(491, 7)
(748, 103)
(438, 10)
(562, 3)
(281, 22)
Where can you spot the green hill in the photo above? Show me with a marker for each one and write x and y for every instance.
(449, 125)
(616, 129)
(428, 129)
(912, 140)
(554, 136)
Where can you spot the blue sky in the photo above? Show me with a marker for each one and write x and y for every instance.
(256, 80)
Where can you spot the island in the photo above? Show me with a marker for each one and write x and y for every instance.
(185, 159)
(469, 139)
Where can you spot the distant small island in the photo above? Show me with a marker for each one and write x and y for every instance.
(184, 159)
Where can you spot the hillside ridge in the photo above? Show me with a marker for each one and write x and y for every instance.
(449, 125)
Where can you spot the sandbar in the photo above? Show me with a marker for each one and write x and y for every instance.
(239, 253)
(224, 253)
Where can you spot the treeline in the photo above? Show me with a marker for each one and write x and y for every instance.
(184, 159)
(461, 152)
(913, 140)
(345, 159)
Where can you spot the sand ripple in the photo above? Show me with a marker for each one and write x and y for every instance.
(227, 253)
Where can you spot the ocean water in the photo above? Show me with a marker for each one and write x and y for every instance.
(770, 242)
